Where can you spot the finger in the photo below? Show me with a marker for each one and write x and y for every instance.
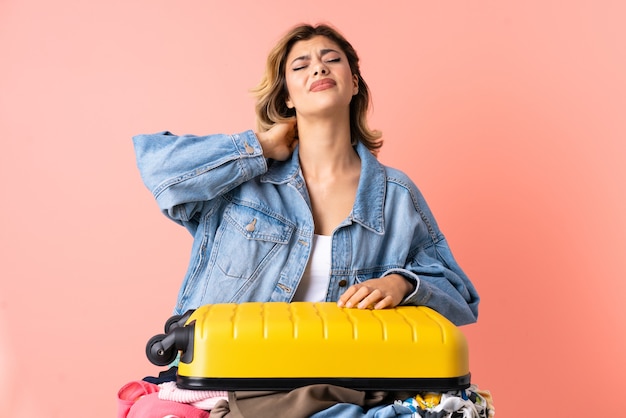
(386, 302)
(361, 293)
(368, 301)
(345, 296)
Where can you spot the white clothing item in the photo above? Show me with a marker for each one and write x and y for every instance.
(201, 399)
(314, 282)
(453, 403)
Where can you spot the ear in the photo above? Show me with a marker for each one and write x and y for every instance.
(289, 103)
(355, 82)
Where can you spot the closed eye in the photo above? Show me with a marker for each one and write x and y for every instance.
(330, 61)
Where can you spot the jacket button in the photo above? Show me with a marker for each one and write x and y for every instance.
(343, 283)
(249, 149)
(251, 226)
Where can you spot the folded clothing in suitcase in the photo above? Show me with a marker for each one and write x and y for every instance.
(281, 346)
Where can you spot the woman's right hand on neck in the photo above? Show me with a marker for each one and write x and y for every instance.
(279, 141)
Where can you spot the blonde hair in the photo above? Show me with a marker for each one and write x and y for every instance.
(271, 93)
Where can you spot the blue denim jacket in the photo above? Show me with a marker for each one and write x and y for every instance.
(253, 228)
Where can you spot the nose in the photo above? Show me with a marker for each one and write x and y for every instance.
(320, 69)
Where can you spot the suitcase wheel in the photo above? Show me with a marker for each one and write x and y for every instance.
(157, 353)
(177, 321)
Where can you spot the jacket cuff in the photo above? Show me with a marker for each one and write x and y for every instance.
(250, 150)
(420, 294)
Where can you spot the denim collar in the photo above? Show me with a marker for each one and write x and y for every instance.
(370, 198)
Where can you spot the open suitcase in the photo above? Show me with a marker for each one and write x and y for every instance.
(282, 346)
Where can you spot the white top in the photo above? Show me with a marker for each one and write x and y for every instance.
(314, 283)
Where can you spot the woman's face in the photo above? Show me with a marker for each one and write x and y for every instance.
(318, 77)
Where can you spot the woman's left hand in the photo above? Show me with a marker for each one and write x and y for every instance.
(384, 292)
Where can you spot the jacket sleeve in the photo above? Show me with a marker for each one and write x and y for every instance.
(439, 281)
(184, 172)
(441, 284)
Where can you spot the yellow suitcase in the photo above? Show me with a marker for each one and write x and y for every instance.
(282, 346)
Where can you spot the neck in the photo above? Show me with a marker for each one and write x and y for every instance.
(325, 148)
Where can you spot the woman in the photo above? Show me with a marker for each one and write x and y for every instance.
(301, 209)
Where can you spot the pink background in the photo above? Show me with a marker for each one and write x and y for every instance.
(510, 116)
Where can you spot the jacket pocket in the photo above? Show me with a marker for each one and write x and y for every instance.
(248, 240)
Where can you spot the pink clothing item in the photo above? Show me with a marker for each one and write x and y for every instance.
(150, 406)
(202, 399)
(131, 393)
